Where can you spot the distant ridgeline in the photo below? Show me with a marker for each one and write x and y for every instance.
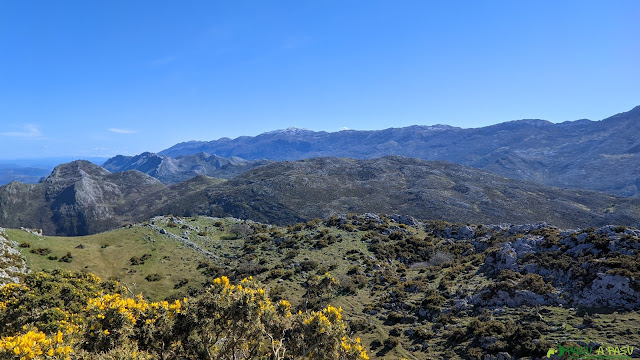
(174, 170)
(81, 198)
(597, 155)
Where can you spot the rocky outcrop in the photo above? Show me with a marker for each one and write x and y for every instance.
(78, 198)
(12, 265)
(610, 291)
(588, 268)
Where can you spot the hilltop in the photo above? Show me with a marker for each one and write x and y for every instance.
(597, 155)
(291, 191)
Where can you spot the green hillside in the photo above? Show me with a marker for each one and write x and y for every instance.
(408, 289)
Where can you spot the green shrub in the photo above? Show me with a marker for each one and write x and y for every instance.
(41, 251)
(154, 277)
(66, 258)
(308, 265)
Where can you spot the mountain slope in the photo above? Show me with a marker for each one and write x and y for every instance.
(81, 198)
(598, 155)
(173, 170)
(287, 192)
(78, 198)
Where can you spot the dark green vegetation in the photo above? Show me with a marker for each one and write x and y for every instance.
(80, 198)
(597, 155)
(416, 290)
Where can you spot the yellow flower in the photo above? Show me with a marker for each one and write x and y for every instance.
(58, 337)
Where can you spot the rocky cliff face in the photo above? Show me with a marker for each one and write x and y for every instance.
(76, 199)
(598, 155)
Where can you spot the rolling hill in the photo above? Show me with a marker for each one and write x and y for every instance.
(288, 192)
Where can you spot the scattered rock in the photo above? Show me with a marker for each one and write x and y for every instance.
(405, 219)
(465, 232)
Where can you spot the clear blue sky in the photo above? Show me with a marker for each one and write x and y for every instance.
(99, 78)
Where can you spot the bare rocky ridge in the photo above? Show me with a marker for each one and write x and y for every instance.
(181, 168)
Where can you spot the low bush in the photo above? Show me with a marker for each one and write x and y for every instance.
(154, 277)
(41, 251)
(62, 315)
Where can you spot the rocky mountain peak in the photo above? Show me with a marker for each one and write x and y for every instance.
(292, 130)
(534, 122)
(74, 171)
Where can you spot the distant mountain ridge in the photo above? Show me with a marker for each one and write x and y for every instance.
(181, 168)
(82, 198)
(598, 155)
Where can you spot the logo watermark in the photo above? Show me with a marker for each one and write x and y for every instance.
(591, 352)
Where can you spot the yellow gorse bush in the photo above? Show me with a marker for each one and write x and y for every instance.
(131, 309)
(79, 315)
(33, 345)
(115, 303)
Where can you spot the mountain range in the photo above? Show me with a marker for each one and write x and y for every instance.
(82, 198)
(183, 167)
(598, 155)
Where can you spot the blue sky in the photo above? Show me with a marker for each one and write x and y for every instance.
(99, 78)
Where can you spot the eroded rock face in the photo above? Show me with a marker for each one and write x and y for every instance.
(12, 265)
(405, 219)
(610, 291)
(505, 259)
(78, 198)
(584, 267)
